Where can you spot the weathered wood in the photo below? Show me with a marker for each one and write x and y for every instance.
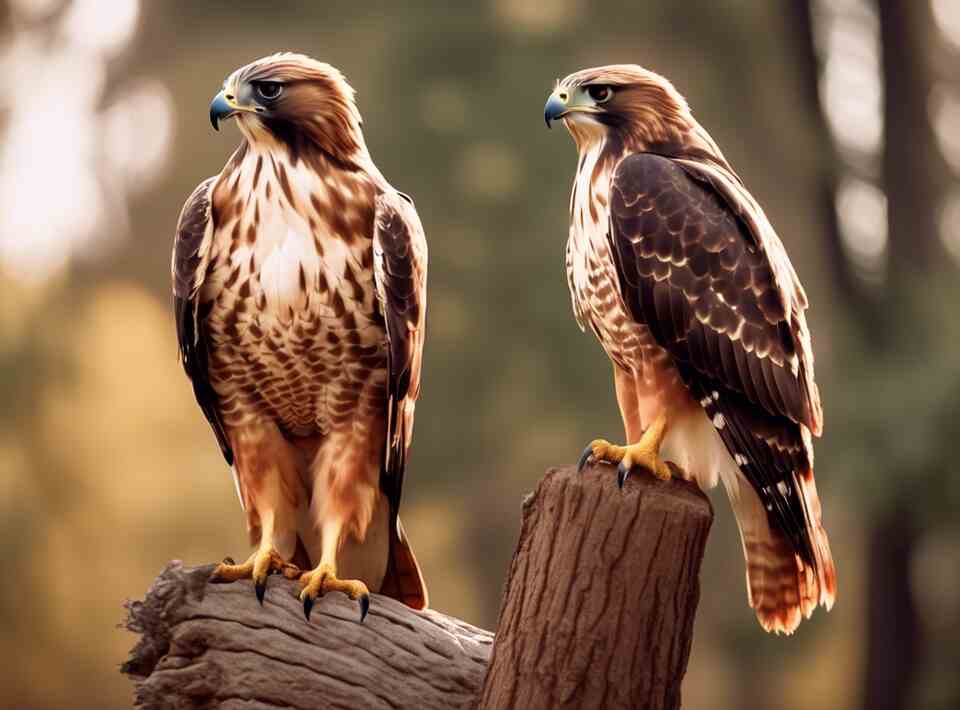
(598, 612)
(601, 596)
(209, 645)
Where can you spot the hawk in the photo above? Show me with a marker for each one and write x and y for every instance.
(677, 271)
(299, 281)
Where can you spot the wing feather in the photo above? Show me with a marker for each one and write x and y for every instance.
(400, 271)
(717, 308)
(758, 320)
(783, 299)
(191, 248)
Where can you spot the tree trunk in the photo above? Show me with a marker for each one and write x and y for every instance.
(598, 612)
(914, 171)
(601, 596)
(894, 629)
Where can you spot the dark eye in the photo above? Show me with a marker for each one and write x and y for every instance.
(600, 94)
(269, 89)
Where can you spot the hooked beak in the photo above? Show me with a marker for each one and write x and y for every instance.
(556, 107)
(220, 108)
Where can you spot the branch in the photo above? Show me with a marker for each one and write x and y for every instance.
(598, 612)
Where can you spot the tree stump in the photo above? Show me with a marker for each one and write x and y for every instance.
(598, 612)
(601, 596)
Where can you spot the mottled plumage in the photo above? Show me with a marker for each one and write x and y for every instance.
(299, 281)
(678, 272)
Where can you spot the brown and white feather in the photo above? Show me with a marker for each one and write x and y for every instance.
(677, 270)
(296, 295)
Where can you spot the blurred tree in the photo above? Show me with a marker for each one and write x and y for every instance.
(891, 323)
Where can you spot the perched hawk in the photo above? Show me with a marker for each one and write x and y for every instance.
(677, 271)
(299, 279)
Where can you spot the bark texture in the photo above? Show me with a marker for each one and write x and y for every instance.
(598, 613)
(212, 646)
(600, 600)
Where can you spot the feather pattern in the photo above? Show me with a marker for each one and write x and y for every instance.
(742, 349)
(400, 269)
(299, 286)
(748, 320)
(190, 257)
(676, 269)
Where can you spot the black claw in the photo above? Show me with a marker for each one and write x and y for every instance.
(623, 473)
(364, 607)
(584, 458)
(307, 606)
(261, 589)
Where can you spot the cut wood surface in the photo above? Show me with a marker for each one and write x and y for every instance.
(598, 613)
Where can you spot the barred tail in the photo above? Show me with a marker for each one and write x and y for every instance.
(782, 587)
(826, 572)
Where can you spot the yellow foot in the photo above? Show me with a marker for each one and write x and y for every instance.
(262, 563)
(627, 458)
(324, 579)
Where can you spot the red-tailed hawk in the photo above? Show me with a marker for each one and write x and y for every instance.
(677, 271)
(299, 279)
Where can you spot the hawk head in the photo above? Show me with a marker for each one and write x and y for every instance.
(294, 100)
(639, 107)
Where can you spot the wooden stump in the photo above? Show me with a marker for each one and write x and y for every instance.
(601, 596)
(598, 613)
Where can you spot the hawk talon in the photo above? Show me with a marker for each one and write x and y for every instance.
(260, 565)
(645, 454)
(324, 579)
(585, 458)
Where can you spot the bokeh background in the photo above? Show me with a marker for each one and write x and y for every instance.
(842, 116)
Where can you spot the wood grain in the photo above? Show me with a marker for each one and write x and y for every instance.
(209, 645)
(601, 596)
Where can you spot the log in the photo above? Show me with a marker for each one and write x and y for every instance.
(598, 612)
(206, 645)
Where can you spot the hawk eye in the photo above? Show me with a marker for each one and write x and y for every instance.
(269, 89)
(599, 93)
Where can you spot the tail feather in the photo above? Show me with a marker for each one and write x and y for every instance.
(826, 571)
(782, 588)
(404, 580)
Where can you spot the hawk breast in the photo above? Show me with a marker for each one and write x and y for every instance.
(290, 303)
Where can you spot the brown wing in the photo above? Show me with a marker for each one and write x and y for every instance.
(707, 288)
(400, 270)
(194, 232)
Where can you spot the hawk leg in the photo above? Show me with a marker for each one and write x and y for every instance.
(262, 563)
(644, 454)
(323, 578)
